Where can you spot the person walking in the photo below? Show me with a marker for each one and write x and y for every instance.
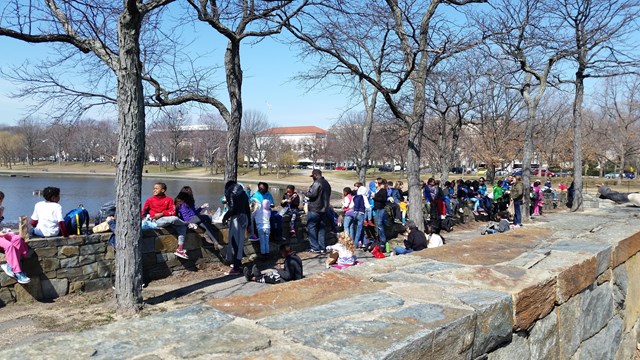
(319, 196)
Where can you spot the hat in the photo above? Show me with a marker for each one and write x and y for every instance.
(316, 172)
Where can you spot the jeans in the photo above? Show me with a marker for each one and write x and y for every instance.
(401, 250)
(517, 212)
(367, 214)
(204, 222)
(348, 223)
(381, 216)
(237, 228)
(294, 216)
(263, 234)
(358, 225)
(179, 225)
(315, 229)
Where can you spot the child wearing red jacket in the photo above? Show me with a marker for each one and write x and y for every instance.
(161, 209)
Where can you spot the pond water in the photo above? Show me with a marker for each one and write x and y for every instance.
(92, 192)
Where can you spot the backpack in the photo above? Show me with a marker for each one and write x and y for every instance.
(75, 219)
(107, 209)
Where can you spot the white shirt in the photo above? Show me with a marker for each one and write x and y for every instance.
(434, 240)
(48, 214)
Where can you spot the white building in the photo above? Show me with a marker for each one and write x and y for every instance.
(303, 140)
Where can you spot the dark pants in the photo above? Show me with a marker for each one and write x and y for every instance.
(517, 212)
(316, 222)
(204, 222)
(381, 216)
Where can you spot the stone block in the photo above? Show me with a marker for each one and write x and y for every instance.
(620, 287)
(46, 252)
(361, 304)
(97, 284)
(226, 344)
(533, 303)
(54, 288)
(148, 244)
(604, 344)
(602, 252)
(518, 348)
(149, 259)
(605, 276)
(597, 309)
(95, 238)
(625, 249)
(6, 296)
(89, 249)
(90, 269)
(69, 262)
(29, 292)
(104, 268)
(570, 323)
(68, 251)
(192, 241)
(576, 278)
(6, 280)
(39, 243)
(157, 271)
(315, 290)
(70, 273)
(51, 264)
(74, 240)
(494, 318)
(86, 259)
(110, 254)
(632, 299)
(543, 338)
(166, 243)
(76, 286)
(32, 266)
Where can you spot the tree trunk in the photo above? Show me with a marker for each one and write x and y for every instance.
(234, 122)
(443, 150)
(577, 142)
(619, 180)
(527, 155)
(413, 172)
(129, 161)
(370, 107)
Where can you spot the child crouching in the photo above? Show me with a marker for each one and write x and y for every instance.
(291, 270)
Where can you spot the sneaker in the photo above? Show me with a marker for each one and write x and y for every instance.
(327, 265)
(253, 238)
(192, 226)
(7, 269)
(312, 251)
(233, 271)
(22, 278)
(247, 273)
(181, 253)
(475, 212)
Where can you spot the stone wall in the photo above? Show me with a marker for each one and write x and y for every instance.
(59, 266)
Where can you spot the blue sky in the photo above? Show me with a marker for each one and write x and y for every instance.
(268, 85)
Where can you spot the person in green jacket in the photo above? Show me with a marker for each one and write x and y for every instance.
(517, 192)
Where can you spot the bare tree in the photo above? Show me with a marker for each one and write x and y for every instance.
(605, 38)
(213, 138)
(417, 42)
(172, 123)
(89, 28)
(255, 129)
(32, 135)
(9, 148)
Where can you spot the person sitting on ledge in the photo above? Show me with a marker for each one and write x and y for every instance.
(47, 220)
(604, 192)
(415, 241)
(291, 270)
(14, 250)
(161, 209)
(185, 205)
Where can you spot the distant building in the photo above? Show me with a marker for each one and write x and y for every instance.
(304, 141)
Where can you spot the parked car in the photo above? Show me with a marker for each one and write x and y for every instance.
(385, 168)
(341, 168)
(629, 175)
(457, 170)
(481, 172)
(543, 172)
(516, 172)
(397, 168)
(612, 175)
(502, 172)
(352, 167)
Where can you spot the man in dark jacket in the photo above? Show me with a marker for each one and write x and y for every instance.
(238, 217)
(319, 195)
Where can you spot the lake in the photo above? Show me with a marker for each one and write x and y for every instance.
(92, 192)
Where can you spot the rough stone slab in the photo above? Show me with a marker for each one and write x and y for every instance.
(570, 324)
(576, 272)
(97, 284)
(494, 318)
(361, 304)
(68, 251)
(597, 309)
(489, 250)
(70, 273)
(533, 303)
(93, 249)
(29, 292)
(63, 263)
(76, 286)
(602, 252)
(86, 259)
(543, 338)
(632, 298)
(518, 348)
(529, 259)
(620, 287)
(314, 290)
(6, 297)
(52, 264)
(46, 252)
(605, 276)
(625, 249)
(604, 344)
(428, 292)
(6, 280)
(388, 265)
(73, 240)
(166, 243)
(129, 338)
(38, 243)
(429, 267)
(54, 288)
(230, 339)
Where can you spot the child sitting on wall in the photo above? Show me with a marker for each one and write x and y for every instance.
(47, 220)
(291, 270)
(14, 249)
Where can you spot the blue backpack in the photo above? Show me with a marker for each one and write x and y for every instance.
(75, 219)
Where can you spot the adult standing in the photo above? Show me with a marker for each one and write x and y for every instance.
(379, 203)
(319, 196)
(517, 193)
(238, 216)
